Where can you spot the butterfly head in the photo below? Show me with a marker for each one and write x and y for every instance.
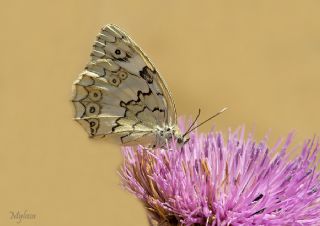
(181, 140)
(168, 133)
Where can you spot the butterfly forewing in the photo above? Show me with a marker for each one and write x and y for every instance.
(120, 92)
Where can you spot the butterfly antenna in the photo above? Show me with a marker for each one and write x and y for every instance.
(192, 124)
(215, 115)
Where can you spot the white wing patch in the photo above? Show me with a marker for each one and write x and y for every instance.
(120, 92)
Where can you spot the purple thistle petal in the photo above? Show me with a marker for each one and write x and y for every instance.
(210, 181)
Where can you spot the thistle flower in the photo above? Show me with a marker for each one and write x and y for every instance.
(239, 181)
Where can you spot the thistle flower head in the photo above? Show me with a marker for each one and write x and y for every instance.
(237, 181)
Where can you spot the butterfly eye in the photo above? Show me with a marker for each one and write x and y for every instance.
(92, 109)
(122, 75)
(114, 80)
(179, 140)
(95, 95)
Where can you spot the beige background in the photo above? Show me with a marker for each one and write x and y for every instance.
(259, 58)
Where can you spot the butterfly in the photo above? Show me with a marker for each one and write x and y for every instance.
(120, 94)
